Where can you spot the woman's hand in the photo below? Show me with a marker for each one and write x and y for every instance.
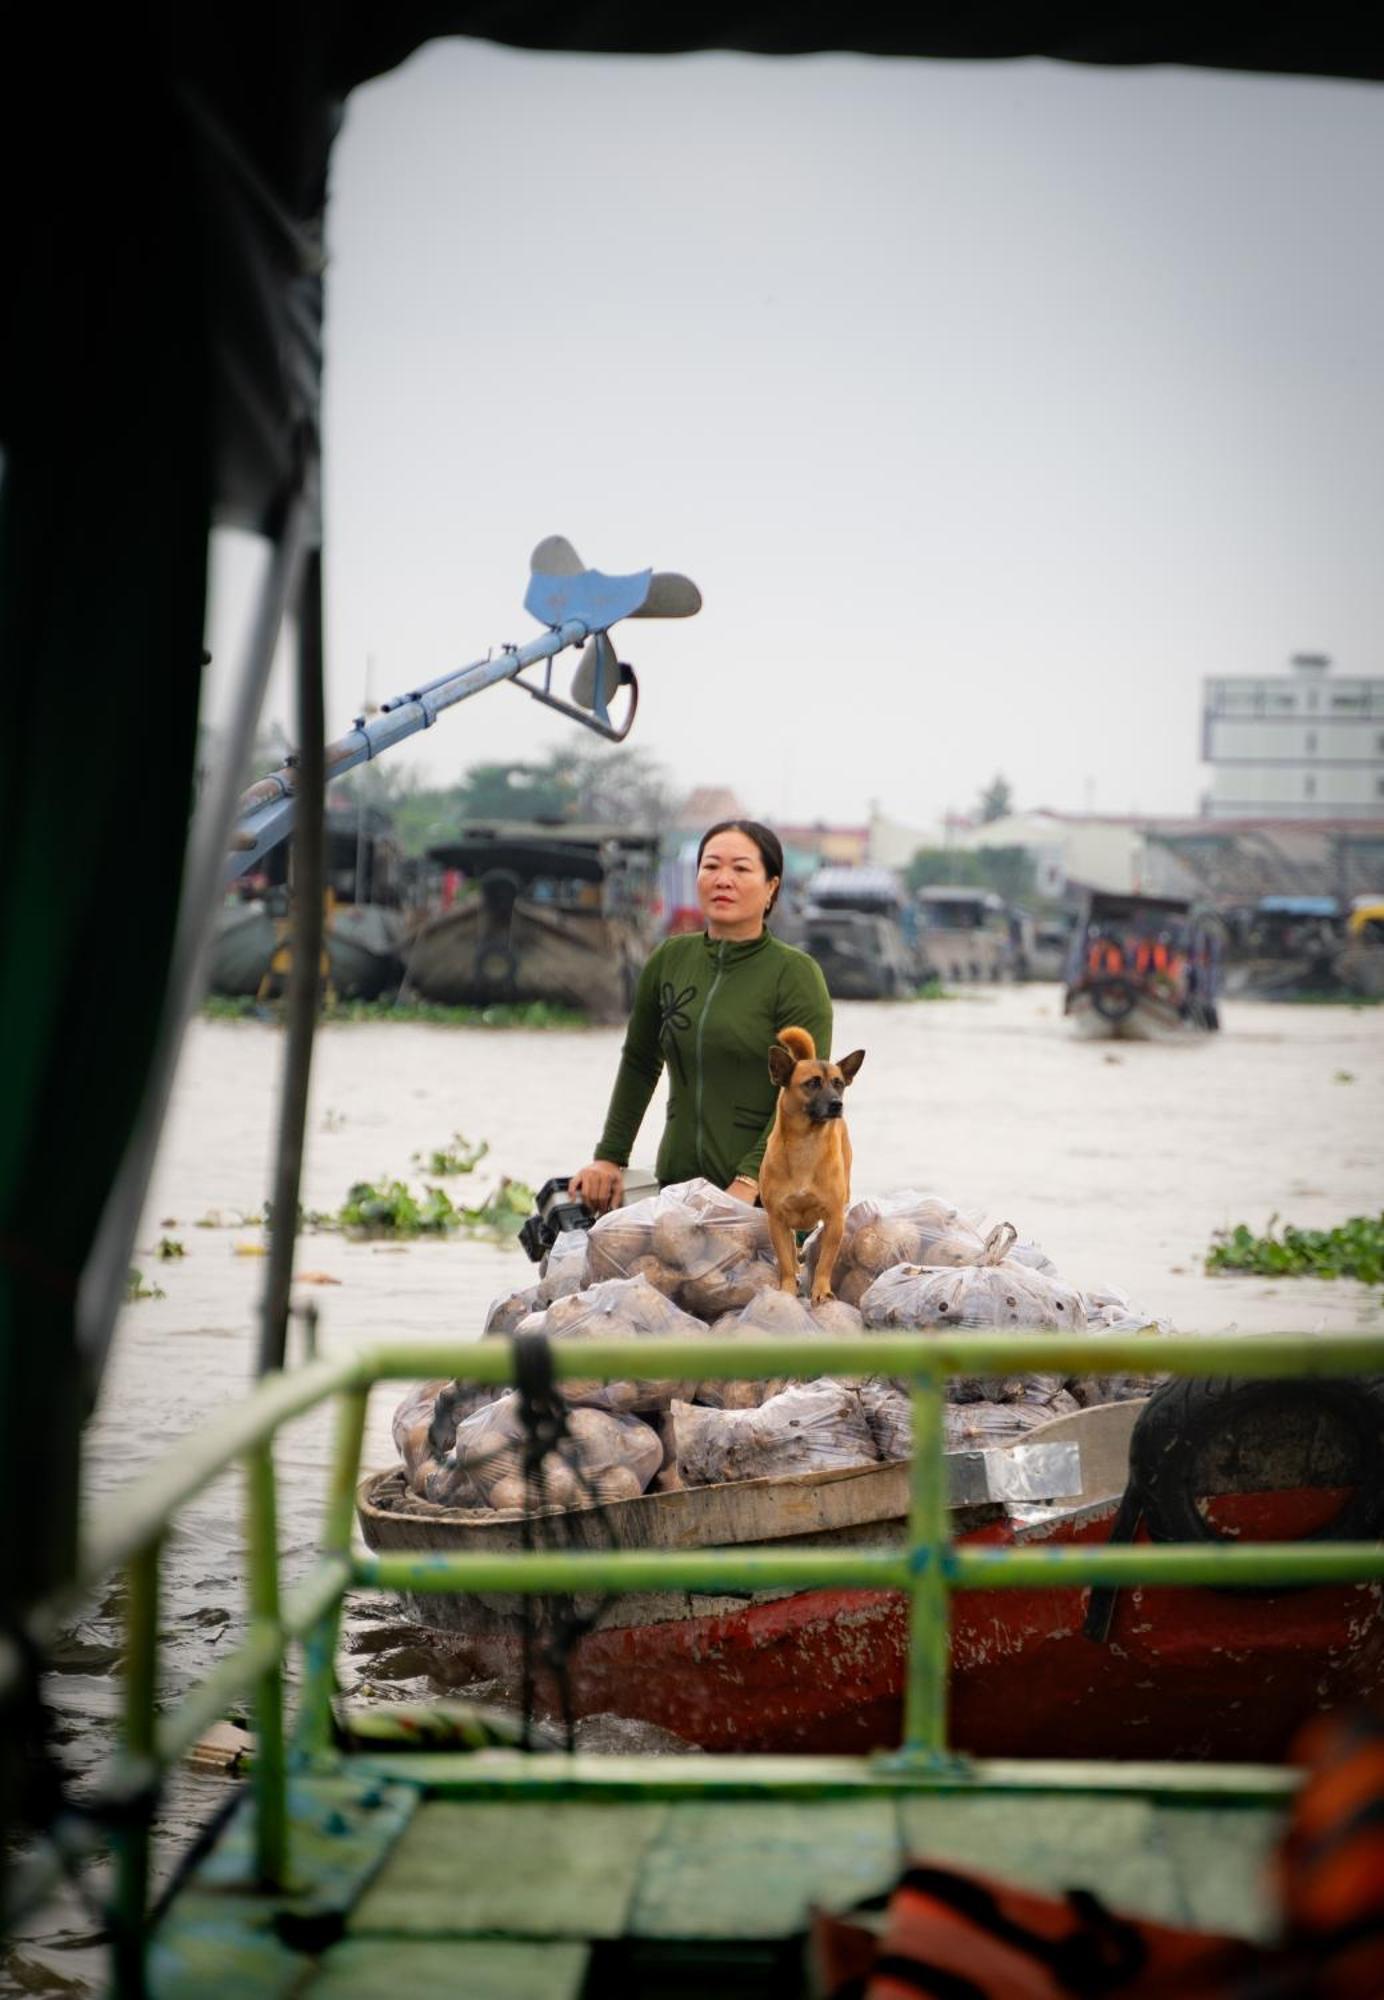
(744, 1189)
(599, 1185)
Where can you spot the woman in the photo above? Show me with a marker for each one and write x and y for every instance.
(708, 1006)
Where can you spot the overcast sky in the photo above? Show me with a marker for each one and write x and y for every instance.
(991, 406)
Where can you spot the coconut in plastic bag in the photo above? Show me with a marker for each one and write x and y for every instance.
(564, 1267)
(692, 1241)
(775, 1316)
(605, 1457)
(891, 1229)
(995, 1293)
(619, 1309)
(812, 1427)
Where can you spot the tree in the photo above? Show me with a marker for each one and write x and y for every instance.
(996, 801)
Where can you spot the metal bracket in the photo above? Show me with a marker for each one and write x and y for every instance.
(588, 718)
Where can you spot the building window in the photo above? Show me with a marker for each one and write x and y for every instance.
(1379, 745)
(1311, 742)
(1309, 788)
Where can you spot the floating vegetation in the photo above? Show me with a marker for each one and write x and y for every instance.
(168, 1248)
(503, 1014)
(1353, 1249)
(135, 1287)
(389, 1208)
(458, 1156)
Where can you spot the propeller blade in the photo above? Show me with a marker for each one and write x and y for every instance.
(555, 556)
(597, 677)
(670, 596)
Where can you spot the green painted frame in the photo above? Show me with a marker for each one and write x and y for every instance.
(132, 1533)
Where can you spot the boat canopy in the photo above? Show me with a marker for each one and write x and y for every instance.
(1298, 906)
(861, 888)
(160, 369)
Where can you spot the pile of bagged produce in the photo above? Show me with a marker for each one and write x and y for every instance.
(691, 1261)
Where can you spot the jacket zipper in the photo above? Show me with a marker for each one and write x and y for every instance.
(701, 1030)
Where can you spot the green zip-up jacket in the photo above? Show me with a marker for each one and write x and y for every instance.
(707, 1010)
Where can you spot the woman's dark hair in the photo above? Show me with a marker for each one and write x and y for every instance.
(765, 839)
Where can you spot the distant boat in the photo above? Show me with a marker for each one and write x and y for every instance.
(1143, 968)
(531, 911)
(1288, 946)
(965, 934)
(364, 927)
(852, 921)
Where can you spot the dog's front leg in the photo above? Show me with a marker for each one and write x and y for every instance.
(786, 1251)
(833, 1229)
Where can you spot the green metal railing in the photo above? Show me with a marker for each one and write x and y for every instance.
(928, 1567)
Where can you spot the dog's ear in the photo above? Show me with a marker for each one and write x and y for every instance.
(848, 1065)
(782, 1063)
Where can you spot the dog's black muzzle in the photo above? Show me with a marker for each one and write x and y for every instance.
(834, 1109)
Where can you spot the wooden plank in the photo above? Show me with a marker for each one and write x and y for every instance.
(1174, 1863)
(1222, 1864)
(529, 1869)
(753, 1871)
(373, 1969)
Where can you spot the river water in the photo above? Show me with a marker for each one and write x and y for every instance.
(1122, 1159)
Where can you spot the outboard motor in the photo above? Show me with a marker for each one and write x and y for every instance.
(556, 1210)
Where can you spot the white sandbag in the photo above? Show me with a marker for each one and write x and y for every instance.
(692, 1241)
(618, 1309)
(813, 1427)
(890, 1229)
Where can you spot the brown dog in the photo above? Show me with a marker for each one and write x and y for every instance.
(806, 1174)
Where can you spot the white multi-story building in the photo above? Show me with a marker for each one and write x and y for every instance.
(1302, 745)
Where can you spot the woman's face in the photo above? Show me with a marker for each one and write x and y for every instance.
(732, 887)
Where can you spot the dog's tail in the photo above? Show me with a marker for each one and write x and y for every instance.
(798, 1043)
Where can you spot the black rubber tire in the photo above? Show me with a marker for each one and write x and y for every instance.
(1182, 1416)
(1113, 999)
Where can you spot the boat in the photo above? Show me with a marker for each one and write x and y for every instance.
(537, 912)
(363, 922)
(823, 1671)
(1287, 947)
(965, 933)
(853, 921)
(1360, 966)
(392, 1853)
(1143, 968)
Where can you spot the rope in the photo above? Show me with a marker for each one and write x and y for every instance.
(543, 1415)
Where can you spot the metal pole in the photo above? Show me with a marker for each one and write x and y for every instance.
(103, 1280)
(268, 1776)
(269, 807)
(304, 979)
(131, 1841)
(929, 1544)
(313, 1736)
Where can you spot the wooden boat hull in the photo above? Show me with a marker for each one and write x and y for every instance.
(1184, 1673)
(362, 940)
(1147, 1017)
(569, 957)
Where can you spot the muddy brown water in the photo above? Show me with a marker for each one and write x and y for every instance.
(1121, 1159)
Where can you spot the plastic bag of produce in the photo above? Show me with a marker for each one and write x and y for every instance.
(618, 1309)
(564, 1267)
(508, 1314)
(889, 1415)
(425, 1423)
(775, 1316)
(812, 1427)
(901, 1228)
(692, 1241)
(996, 1292)
(973, 1426)
(613, 1456)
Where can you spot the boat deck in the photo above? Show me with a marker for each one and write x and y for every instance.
(556, 1877)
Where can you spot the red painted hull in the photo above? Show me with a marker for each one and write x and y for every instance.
(1184, 1673)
